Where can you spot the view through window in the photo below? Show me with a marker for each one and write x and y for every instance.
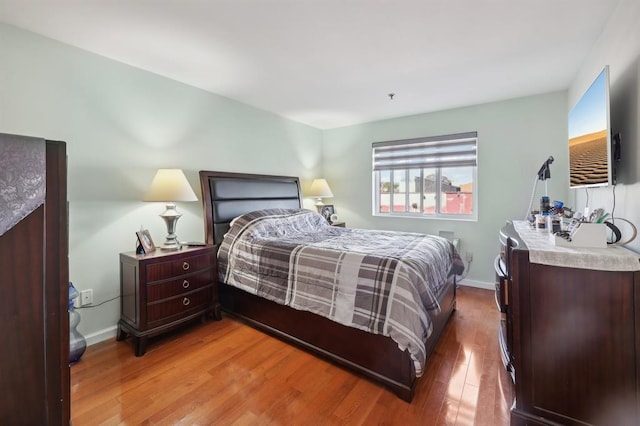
(405, 186)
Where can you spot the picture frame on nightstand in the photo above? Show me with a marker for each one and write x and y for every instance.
(145, 242)
(327, 211)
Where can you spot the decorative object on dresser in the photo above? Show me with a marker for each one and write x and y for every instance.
(163, 290)
(570, 329)
(34, 253)
(170, 186)
(544, 174)
(145, 242)
(320, 189)
(244, 197)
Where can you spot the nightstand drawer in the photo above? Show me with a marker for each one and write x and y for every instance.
(175, 268)
(184, 284)
(165, 311)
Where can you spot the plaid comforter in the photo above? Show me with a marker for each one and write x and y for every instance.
(382, 282)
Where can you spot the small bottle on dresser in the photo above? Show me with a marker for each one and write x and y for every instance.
(544, 205)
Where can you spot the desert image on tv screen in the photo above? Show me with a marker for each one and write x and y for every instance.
(588, 137)
(588, 159)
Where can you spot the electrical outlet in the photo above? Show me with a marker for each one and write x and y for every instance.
(469, 256)
(86, 297)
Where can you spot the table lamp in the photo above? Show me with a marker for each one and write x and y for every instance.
(170, 186)
(320, 189)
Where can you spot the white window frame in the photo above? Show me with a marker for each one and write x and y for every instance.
(436, 153)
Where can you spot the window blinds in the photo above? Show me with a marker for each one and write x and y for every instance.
(438, 151)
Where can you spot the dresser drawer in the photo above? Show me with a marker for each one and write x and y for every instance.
(167, 310)
(184, 284)
(175, 268)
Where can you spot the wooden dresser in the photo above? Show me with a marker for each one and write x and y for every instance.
(34, 266)
(570, 337)
(165, 289)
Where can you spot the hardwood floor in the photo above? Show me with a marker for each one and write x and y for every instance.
(228, 373)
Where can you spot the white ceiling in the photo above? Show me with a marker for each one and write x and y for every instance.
(331, 63)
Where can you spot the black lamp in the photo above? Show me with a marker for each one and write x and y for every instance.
(545, 172)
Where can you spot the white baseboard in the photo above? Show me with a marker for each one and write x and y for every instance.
(477, 284)
(101, 335)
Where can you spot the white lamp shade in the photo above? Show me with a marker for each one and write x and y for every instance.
(170, 185)
(320, 189)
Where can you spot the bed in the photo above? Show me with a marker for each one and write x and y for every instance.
(251, 203)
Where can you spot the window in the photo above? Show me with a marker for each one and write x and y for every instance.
(433, 177)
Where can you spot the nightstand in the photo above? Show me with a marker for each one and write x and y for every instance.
(340, 224)
(164, 289)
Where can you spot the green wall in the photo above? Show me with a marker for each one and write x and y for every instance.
(514, 138)
(121, 124)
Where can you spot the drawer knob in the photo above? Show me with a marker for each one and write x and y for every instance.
(186, 301)
(185, 266)
(185, 284)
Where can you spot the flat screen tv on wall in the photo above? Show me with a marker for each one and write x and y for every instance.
(591, 163)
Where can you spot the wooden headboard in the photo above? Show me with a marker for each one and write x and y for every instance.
(227, 195)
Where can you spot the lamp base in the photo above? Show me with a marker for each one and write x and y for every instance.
(170, 216)
(170, 247)
(319, 205)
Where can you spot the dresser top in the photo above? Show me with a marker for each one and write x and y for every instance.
(159, 253)
(544, 252)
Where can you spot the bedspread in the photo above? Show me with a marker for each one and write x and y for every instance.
(383, 282)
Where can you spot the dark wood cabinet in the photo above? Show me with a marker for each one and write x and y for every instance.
(574, 341)
(34, 359)
(164, 289)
